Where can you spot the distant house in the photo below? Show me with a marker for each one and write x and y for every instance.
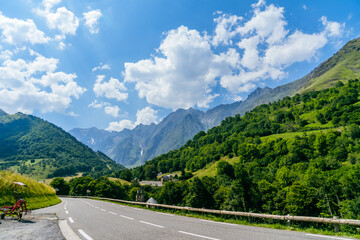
(167, 178)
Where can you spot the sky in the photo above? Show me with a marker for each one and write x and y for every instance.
(115, 64)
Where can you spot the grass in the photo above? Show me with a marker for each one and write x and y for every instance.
(211, 168)
(323, 229)
(37, 195)
(122, 181)
(68, 178)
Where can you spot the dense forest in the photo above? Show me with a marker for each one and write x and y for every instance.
(299, 156)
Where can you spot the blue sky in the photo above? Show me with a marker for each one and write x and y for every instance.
(114, 64)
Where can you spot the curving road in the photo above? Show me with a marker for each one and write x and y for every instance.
(91, 219)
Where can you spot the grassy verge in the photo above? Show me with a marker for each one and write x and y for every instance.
(37, 195)
(314, 228)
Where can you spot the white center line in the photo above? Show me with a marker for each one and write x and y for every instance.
(322, 236)
(103, 210)
(112, 213)
(67, 212)
(167, 214)
(138, 209)
(85, 235)
(231, 224)
(71, 220)
(197, 235)
(155, 225)
(126, 217)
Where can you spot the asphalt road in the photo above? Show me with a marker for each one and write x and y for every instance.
(91, 219)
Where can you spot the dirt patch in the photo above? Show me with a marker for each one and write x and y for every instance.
(39, 227)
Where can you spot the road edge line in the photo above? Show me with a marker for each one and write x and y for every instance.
(67, 232)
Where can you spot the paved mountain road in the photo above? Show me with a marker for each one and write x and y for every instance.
(91, 219)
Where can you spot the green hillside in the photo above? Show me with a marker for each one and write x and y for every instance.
(32, 146)
(37, 195)
(299, 155)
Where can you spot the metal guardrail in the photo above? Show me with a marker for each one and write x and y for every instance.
(288, 218)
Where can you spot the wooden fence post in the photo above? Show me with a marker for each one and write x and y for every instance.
(336, 225)
(288, 221)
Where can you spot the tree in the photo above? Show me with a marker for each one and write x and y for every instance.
(198, 195)
(62, 186)
(225, 168)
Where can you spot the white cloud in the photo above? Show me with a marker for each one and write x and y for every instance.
(95, 104)
(268, 24)
(31, 85)
(145, 116)
(111, 89)
(48, 4)
(304, 7)
(268, 48)
(72, 114)
(112, 110)
(332, 29)
(6, 54)
(224, 31)
(121, 125)
(101, 67)
(63, 20)
(92, 20)
(183, 76)
(16, 31)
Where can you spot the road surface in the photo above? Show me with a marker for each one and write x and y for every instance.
(92, 219)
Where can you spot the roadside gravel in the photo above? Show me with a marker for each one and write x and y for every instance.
(39, 227)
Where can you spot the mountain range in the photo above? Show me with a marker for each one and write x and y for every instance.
(134, 147)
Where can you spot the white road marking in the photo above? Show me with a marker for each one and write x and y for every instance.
(112, 213)
(138, 209)
(197, 235)
(155, 225)
(67, 231)
(103, 210)
(71, 220)
(67, 212)
(126, 217)
(323, 236)
(167, 214)
(85, 235)
(224, 223)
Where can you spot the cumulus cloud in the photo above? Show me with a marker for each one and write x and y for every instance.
(92, 20)
(101, 67)
(332, 29)
(16, 31)
(60, 19)
(182, 76)
(121, 125)
(112, 110)
(267, 48)
(224, 31)
(63, 20)
(144, 116)
(28, 85)
(111, 89)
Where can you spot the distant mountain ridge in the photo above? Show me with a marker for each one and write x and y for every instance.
(38, 148)
(144, 142)
(134, 147)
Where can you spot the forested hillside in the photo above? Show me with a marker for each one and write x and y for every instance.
(40, 149)
(299, 155)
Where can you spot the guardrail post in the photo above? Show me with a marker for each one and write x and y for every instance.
(288, 221)
(336, 225)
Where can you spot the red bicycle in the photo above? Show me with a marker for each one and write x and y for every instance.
(19, 208)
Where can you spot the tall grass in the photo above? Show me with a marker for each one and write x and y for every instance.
(37, 195)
